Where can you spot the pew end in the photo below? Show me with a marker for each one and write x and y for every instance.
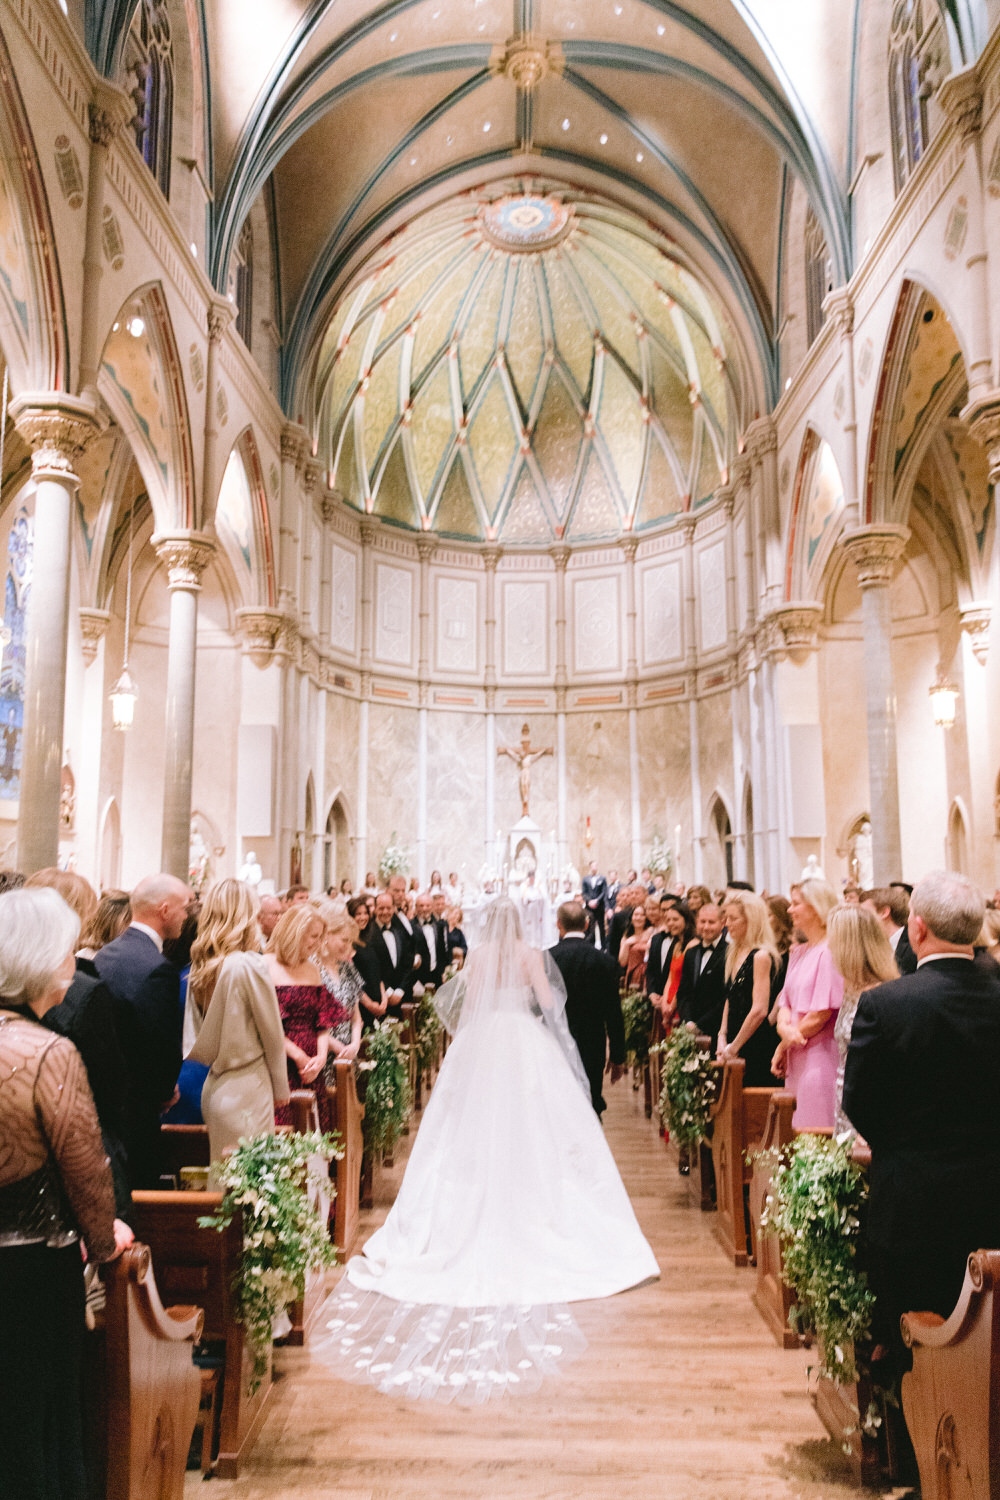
(771, 1295)
(951, 1397)
(739, 1118)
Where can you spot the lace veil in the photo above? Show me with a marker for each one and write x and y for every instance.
(503, 976)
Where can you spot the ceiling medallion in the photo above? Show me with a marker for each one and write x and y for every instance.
(527, 221)
(526, 61)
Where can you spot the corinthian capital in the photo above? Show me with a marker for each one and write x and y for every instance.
(294, 444)
(791, 630)
(56, 428)
(838, 309)
(875, 552)
(218, 316)
(108, 111)
(185, 555)
(761, 438)
(961, 98)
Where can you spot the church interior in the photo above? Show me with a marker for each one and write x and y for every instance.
(389, 386)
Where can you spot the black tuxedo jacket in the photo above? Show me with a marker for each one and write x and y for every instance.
(366, 961)
(396, 974)
(595, 888)
(430, 968)
(611, 896)
(145, 993)
(617, 928)
(906, 959)
(658, 962)
(593, 1008)
(922, 1085)
(701, 997)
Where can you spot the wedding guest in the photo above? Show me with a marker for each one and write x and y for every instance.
(387, 942)
(342, 982)
(634, 949)
(296, 895)
(234, 1021)
(751, 963)
(409, 960)
(111, 917)
(989, 938)
(346, 888)
(697, 897)
(701, 995)
(186, 1108)
(271, 909)
(77, 892)
(863, 957)
(806, 1056)
(429, 935)
(55, 1190)
(783, 930)
(679, 926)
(891, 904)
(852, 894)
(658, 945)
(455, 937)
(370, 887)
(301, 1001)
(435, 883)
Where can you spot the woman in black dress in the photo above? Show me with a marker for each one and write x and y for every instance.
(751, 962)
(373, 1000)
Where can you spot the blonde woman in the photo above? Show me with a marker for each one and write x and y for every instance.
(298, 934)
(233, 1019)
(341, 980)
(862, 953)
(751, 963)
(807, 1054)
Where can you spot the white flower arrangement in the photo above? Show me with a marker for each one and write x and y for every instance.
(395, 859)
(659, 860)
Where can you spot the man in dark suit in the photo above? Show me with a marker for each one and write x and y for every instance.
(701, 995)
(891, 904)
(593, 1007)
(145, 993)
(404, 929)
(392, 952)
(594, 890)
(922, 1085)
(612, 887)
(429, 936)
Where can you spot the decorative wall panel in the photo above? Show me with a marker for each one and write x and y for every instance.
(343, 603)
(393, 615)
(712, 596)
(742, 601)
(662, 629)
(597, 625)
(456, 624)
(526, 616)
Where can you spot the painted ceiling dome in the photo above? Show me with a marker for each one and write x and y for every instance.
(525, 368)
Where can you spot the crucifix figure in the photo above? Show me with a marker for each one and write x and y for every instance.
(524, 757)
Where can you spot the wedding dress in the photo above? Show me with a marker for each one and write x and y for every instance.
(511, 1205)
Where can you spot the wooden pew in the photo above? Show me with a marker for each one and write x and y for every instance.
(772, 1297)
(183, 1146)
(348, 1114)
(408, 1035)
(951, 1398)
(142, 1383)
(195, 1265)
(738, 1119)
(304, 1310)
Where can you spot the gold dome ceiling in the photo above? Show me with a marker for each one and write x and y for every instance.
(524, 369)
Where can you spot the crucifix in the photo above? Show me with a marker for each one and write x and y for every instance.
(524, 757)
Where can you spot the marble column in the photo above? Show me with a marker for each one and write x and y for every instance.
(108, 111)
(426, 547)
(369, 531)
(697, 834)
(961, 99)
(762, 446)
(56, 428)
(875, 552)
(689, 523)
(492, 852)
(560, 556)
(93, 629)
(629, 546)
(185, 555)
(838, 309)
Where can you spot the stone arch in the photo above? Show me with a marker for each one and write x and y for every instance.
(337, 841)
(33, 333)
(110, 845)
(142, 383)
(309, 833)
(750, 853)
(719, 845)
(246, 538)
(816, 516)
(957, 839)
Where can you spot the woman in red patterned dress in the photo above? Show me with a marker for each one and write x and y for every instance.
(302, 1001)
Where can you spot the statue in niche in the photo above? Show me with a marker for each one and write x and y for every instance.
(67, 795)
(524, 758)
(813, 870)
(251, 871)
(198, 859)
(295, 863)
(862, 860)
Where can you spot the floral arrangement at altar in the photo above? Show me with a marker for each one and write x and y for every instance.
(395, 859)
(659, 860)
(275, 1182)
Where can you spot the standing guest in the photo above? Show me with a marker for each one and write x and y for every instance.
(631, 878)
(271, 909)
(296, 895)
(697, 897)
(453, 890)
(634, 949)
(679, 926)
(646, 879)
(891, 904)
(751, 963)
(614, 885)
(658, 947)
(78, 893)
(435, 883)
(370, 887)
(629, 898)
(145, 989)
(863, 957)
(10, 880)
(112, 916)
(455, 937)
(430, 934)
(852, 894)
(373, 998)
(989, 938)
(390, 949)
(922, 1085)
(806, 1056)
(593, 1006)
(232, 1010)
(701, 995)
(301, 1001)
(55, 1189)
(186, 1108)
(402, 924)
(346, 888)
(595, 889)
(342, 982)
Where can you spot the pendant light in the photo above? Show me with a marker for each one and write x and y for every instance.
(124, 693)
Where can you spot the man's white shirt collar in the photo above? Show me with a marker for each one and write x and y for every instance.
(933, 957)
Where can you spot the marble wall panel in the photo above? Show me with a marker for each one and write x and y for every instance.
(715, 733)
(394, 628)
(343, 718)
(711, 565)
(665, 779)
(597, 624)
(598, 786)
(392, 779)
(662, 627)
(456, 624)
(456, 793)
(742, 582)
(542, 804)
(527, 615)
(344, 600)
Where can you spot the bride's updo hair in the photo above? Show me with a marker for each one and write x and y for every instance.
(502, 920)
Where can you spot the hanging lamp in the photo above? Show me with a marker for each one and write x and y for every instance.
(124, 693)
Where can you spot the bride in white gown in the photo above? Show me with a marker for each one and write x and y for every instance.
(510, 1207)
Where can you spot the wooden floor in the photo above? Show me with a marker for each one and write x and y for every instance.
(682, 1393)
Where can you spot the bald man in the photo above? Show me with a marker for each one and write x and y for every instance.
(145, 990)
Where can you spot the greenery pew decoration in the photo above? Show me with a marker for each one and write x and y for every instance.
(387, 1095)
(429, 1029)
(637, 1013)
(269, 1179)
(688, 1086)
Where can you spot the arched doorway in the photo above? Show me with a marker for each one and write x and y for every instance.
(958, 842)
(748, 834)
(111, 848)
(336, 846)
(720, 864)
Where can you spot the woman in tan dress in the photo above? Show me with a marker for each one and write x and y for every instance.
(232, 1010)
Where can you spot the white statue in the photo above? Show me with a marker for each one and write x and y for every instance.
(863, 858)
(532, 911)
(251, 871)
(813, 870)
(198, 858)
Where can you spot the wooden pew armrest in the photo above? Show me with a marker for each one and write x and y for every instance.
(136, 1265)
(927, 1329)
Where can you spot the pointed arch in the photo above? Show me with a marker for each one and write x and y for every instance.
(750, 854)
(141, 380)
(720, 824)
(817, 509)
(957, 843)
(109, 843)
(243, 521)
(33, 332)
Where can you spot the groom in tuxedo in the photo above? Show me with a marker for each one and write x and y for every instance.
(593, 1007)
(595, 889)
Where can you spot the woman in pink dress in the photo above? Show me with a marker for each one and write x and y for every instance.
(807, 1054)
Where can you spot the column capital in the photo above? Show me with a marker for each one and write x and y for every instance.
(761, 438)
(218, 316)
(491, 557)
(791, 629)
(629, 545)
(875, 551)
(110, 109)
(185, 555)
(56, 428)
(93, 627)
(310, 476)
(328, 506)
(560, 555)
(739, 470)
(982, 417)
(295, 444)
(838, 310)
(259, 630)
(961, 98)
(369, 528)
(975, 621)
(427, 545)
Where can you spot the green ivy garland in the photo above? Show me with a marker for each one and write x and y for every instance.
(637, 1013)
(268, 1179)
(814, 1207)
(387, 1097)
(688, 1086)
(429, 1029)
